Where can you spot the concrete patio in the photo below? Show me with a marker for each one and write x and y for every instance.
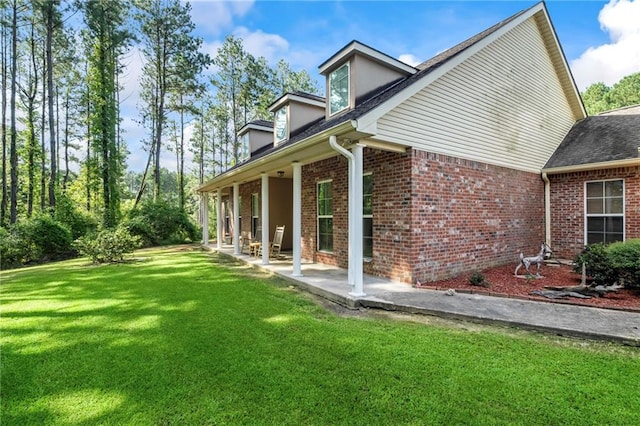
(562, 319)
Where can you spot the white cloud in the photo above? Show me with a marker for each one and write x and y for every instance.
(214, 16)
(272, 46)
(608, 63)
(409, 59)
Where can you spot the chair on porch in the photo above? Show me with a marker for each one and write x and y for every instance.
(276, 245)
(254, 244)
(245, 239)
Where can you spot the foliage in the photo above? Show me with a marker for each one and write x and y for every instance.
(164, 341)
(478, 279)
(608, 264)
(599, 97)
(38, 239)
(108, 246)
(79, 222)
(624, 258)
(160, 223)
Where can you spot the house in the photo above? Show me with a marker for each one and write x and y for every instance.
(412, 173)
(594, 180)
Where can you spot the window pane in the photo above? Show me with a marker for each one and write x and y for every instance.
(594, 206)
(614, 224)
(595, 224)
(595, 238)
(339, 89)
(613, 205)
(367, 197)
(613, 188)
(281, 124)
(594, 189)
(325, 234)
(367, 237)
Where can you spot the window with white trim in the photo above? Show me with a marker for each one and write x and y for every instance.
(339, 89)
(367, 216)
(325, 216)
(245, 148)
(604, 211)
(281, 124)
(255, 215)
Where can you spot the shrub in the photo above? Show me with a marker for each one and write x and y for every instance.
(13, 251)
(108, 246)
(624, 259)
(79, 222)
(44, 238)
(160, 223)
(478, 279)
(597, 265)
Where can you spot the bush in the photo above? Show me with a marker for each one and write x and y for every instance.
(597, 265)
(159, 223)
(624, 259)
(608, 264)
(79, 222)
(13, 251)
(478, 279)
(107, 246)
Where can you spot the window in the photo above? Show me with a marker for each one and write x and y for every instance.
(604, 206)
(367, 216)
(339, 89)
(281, 124)
(325, 217)
(245, 148)
(240, 213)
(255, 215)
(227, 220)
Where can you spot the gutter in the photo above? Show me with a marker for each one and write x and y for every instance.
(547, 209)
(630, 162)
(355, 214)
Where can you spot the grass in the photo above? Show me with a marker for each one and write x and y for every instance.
(179, 336)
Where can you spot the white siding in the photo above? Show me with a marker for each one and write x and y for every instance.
(504, 105)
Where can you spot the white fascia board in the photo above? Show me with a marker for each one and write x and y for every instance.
(631, 162)
(288, 97)
(251, 126)
(356, 46)
(372, 116)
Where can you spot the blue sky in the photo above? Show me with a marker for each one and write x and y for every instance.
(601, 39)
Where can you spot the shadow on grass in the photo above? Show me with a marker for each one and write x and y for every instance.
(191, 338)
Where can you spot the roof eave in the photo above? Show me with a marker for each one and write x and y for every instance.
(234, 175)
(629, 162)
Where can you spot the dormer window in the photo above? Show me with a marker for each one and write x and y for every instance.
(339, 89)
(281, 124)
(245, 148)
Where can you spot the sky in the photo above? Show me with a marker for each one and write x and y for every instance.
(600, 39)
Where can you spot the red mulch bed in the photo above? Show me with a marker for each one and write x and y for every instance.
(503, 283)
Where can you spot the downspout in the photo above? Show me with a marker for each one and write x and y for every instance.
(355, 248)
(547, 209)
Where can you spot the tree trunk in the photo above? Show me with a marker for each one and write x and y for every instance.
(13, 160)
(52, 128)
(4, 41)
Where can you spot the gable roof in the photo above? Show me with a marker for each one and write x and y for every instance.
(362, 119)
(599, 141)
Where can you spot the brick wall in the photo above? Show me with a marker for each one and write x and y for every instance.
(567, 207)
(433, 216)
(468, 215)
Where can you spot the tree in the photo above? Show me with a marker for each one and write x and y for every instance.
(107, 38)
(172, 62)
(599, 97)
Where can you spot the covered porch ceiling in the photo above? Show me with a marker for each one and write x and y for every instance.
(278, 164)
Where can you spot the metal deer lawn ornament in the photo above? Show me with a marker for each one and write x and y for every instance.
(545, 250)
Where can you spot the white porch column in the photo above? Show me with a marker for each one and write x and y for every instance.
(265, 219)
(297, 219)
(219, 218)
(356, 252)
(236, 218)
(204, 208)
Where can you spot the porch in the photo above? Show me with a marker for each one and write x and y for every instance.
(330, 282)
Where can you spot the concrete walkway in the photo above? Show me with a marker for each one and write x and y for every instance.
(557, 318)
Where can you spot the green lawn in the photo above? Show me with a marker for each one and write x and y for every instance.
(180, 336)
